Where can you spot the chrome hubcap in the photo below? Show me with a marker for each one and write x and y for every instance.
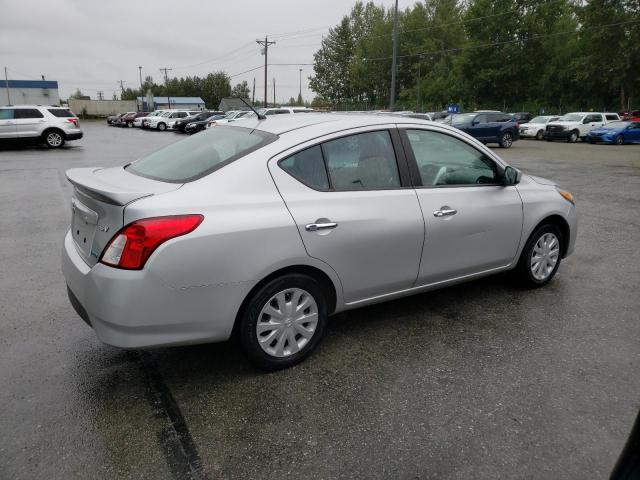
(54, 139)
(545, 256)
(287, 322)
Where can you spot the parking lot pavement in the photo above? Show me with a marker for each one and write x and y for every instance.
(481, 380)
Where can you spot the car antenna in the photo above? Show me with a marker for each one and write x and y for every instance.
(259, 115)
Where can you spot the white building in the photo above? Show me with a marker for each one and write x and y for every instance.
(29, 92)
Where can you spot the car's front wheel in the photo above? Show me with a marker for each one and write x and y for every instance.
(162, 127)
(506, 140)
(540, 257)
(573, 137)
(540, 135)
(283, 321)
(54, 138)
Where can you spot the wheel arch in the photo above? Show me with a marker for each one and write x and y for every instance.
(47, 130)
(561, 224)
(314, 272)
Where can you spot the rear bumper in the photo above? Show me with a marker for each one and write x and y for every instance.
(73, 136)
(139, 309)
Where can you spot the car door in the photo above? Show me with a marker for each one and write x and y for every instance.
(632, 133)
(351, 199)
(473, 223)
(28, 122)
(7, 123)
(479, 128)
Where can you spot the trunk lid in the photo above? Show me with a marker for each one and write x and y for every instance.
(99, 199)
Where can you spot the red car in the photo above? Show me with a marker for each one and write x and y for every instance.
(127, 120)
(633, 116)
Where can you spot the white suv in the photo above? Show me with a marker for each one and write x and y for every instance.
(577, 125)
(168, 118)
(52, 125)
(141, 122)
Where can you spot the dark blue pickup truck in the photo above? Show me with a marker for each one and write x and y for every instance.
(489, 127)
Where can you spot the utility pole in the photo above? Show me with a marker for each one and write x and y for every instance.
(100, 95)
(121, 82)
(300, 93)
(265, 43)
(253, 95)
(393, 61)
(166, 82)
(274, 91)
(140, 70)
(6, 83)
(418, 105)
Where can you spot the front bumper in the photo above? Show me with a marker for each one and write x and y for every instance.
(557, 135)
(600, 138)
(139, 309)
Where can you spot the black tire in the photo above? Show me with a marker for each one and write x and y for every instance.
(523, 270)
(573, 137)
(248, 321)
(53, 138)
(506, 140)
(540, 135)
(162, 127)
(548, 139)
(619, 140)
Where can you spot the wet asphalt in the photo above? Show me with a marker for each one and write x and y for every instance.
(482, 380)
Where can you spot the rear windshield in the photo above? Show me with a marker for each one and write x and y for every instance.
(200, 154)
(61, 112)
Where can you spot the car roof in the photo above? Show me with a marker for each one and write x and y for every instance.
(279, 124)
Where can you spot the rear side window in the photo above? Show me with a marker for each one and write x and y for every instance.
(61, 112)
(612, 117)
(308, 167)
(6, 113)
(365, 161)
(200, 154)
(27, 113)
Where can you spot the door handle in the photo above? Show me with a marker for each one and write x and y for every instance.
(314, 227)
(445, 212)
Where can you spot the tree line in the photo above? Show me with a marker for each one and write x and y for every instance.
(513, 55)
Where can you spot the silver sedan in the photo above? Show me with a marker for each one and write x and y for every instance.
(263, 228)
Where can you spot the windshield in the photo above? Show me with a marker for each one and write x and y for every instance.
(539, 120)
(617, 125)
(571, 117)
(200, 154)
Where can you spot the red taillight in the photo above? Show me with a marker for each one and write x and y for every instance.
(517, 125)
(133, 245)
(73, 120)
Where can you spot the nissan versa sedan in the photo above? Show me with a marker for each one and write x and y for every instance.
(263, 228)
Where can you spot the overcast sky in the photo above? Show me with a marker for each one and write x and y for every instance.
(92, 45)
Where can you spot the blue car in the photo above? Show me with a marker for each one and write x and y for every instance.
(617, 133)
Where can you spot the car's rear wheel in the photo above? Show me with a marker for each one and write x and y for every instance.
(283, 321)
(540, 257)
(619, 140)
(53, 138)
(573, 137)
(506, 140)
(539, 135)
(162, 127)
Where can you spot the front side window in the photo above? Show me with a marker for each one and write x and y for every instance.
(444, 160)
(362, 162)
(200, 154)
(6, 113)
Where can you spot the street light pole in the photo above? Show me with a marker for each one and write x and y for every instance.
(393, 60)
(141, 92)
(300, 94)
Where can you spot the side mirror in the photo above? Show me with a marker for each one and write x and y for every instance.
(511, 176)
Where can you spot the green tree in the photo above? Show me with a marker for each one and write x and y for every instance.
(77, 94)
(241, 90)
